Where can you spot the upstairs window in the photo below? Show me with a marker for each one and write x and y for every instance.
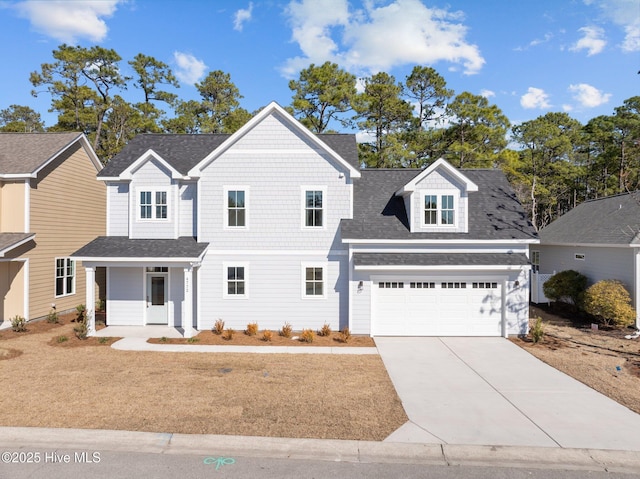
(439, 210)
(313, 212)
(153, 205)
(236, 212)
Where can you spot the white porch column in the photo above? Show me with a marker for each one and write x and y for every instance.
(187, 310)
(90, 300)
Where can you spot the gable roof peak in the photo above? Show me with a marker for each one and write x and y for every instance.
(443, 164)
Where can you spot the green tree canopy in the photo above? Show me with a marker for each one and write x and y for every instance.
(20, 119)
(321, 94)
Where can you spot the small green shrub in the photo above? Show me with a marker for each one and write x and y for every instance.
(609, 301)
(100, 305)
(193, 340)
(62, 339)
(163, 339)
(228, 334)
(267, 335)
(52, 317)
(286, 331)
(566, 286)
(81, 329)
(81, 311)
(325, 330)
(307, 336)
(18, 324)
(345, 335)
(537, 330)
(103, 340)
(252, 329)
(218, 327)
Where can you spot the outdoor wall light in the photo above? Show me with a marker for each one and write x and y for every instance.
(360, 287)
(517, 283)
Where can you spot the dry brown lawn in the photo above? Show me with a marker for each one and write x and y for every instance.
(602, 359)
(87, 384)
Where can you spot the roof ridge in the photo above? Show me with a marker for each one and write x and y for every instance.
(617, 195)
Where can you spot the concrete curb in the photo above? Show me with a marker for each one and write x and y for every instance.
(319, 449)
(141, 344)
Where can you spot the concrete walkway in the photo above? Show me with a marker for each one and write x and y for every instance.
(488, 391)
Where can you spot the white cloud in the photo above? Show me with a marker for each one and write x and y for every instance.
(242, 16)
(190, 70)
(592, 41)
(68, 20)
(535, 98)
(378, 37)
(588, 96)
(487, 93)
(623, 13)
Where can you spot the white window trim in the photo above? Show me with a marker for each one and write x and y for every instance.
(225, 289)
(153, 191)
(303, 282)
(55, 276)
(535, 255)
(439, 194)
(225, 202)
(303, 206)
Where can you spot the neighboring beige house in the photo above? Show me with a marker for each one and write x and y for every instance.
(50, 205)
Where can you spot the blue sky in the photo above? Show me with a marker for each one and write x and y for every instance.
(528, 57)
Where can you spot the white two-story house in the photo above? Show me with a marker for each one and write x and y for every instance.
(274, 224)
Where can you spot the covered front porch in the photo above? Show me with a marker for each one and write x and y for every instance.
(150, 283)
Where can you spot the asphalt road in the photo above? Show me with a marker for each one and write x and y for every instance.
(87, 464)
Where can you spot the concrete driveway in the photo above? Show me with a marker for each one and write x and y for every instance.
(488, 391)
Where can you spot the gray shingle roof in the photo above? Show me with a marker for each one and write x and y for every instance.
(183, 152)
(610, 220)
(9, 240)
(25, 153)
(494, 211)
(123, 247)
(439, 259)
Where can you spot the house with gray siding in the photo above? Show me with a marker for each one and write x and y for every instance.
(274, 224)
(599, 238)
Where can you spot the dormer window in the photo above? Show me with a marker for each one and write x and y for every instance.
(153, 205)
(439, 210)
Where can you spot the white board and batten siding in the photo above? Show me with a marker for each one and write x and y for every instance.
(187, 209)
(126, 298)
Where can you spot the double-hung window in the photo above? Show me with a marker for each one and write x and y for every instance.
(314, 205)
(236, 208)
(439, 210)
(153, 205)
(65, 276)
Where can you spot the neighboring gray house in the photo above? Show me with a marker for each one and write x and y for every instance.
(600, 239)
(275, 224)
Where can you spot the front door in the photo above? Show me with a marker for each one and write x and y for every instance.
(157, 307)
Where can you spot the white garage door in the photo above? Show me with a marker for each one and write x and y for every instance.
(437, 308)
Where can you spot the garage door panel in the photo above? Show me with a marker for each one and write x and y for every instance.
(452, 308)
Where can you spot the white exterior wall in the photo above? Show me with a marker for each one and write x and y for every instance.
(118, 209)
(176, 296)
(188, 203)
(275, 164)
(274, 292)
(599, 262)
(437, 183)
(125, 296)
(153, 176)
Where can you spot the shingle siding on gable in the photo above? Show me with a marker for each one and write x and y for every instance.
(152, 175)
(437, 183)
(274, 208)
